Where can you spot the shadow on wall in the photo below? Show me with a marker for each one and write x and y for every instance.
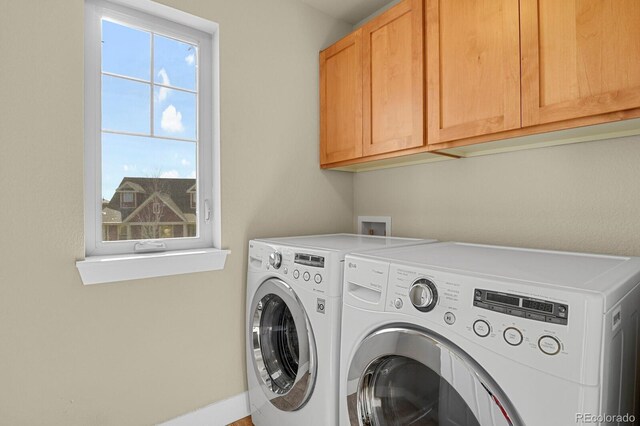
(579, 197)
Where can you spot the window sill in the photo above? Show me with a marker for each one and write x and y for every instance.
(108, 269)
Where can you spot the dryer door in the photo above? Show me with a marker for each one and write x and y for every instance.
(284, 350)
(405, 376)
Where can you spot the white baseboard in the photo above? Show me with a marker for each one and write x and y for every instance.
(217, 414)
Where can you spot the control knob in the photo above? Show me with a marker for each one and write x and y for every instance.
(275, 260)
(423, 295)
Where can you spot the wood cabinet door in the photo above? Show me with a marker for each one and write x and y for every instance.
(579, 58)
(341, 100)
(393, 79)
(473, 68)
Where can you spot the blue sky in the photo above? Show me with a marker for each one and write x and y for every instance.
(127, 104)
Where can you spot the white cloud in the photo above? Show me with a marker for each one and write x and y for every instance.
(171, 120)
(190, 59)
(185, 162)
(164, 79)
(170, 174)
(192, 175)
(129, 167)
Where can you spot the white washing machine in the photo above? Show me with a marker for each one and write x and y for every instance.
(294, 301)
(462, 334)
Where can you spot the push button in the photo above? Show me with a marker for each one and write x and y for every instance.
(306, 276)
(536, 317)
(512, 336)
(296, 274)
(398, 303)
(449, 318)
(549, 345)
(481, 328)
(516, 312)
(317, 278)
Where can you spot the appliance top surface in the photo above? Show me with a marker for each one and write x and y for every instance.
(574, 270)
(343, 242)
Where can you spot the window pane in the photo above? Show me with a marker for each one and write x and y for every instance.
(175, 113)
(146, 188)
(174, 63)
(125, 105)
(125, 51)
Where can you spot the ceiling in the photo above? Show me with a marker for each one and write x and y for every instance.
(351, 11)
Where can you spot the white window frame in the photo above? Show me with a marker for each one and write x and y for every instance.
(150, 16)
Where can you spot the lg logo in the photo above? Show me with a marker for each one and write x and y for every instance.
(352, 265)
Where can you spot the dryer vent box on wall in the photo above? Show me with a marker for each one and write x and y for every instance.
(375, 225)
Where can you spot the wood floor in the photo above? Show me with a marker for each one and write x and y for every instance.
(242, 422)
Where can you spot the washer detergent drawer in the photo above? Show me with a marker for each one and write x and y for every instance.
(365, 283)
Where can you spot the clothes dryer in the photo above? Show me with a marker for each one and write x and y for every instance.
(464, 334)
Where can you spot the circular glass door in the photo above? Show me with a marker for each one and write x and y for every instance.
(403, 376)
(283, 346)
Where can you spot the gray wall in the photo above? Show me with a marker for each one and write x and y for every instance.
(143, 351)
(581, 197)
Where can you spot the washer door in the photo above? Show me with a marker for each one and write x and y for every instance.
(405, 376)
(284, 350)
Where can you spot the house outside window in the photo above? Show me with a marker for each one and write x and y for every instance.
(169, 213)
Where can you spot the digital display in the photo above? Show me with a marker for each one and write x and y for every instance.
(501, 298)
(309, 260)
(538, 306)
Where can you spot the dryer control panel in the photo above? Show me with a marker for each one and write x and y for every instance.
(513, 319)
(521, 306)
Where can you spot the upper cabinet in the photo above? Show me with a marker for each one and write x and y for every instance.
(579, 58)
(341, 100)
(473, 68)
(372, 90)
(458, 78)
(393, 80)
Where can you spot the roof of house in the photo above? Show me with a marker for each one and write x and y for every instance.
(174, 193)
(111, 216)
(128, 185)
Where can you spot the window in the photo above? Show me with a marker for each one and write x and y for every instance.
(151, 129)
(127, 200)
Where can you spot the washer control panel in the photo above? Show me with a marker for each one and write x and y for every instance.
(520, 306)
(309, 260)
(308, 268)
(311, 269)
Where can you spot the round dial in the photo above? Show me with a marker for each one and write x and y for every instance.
(423, 295)
(275, 260)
